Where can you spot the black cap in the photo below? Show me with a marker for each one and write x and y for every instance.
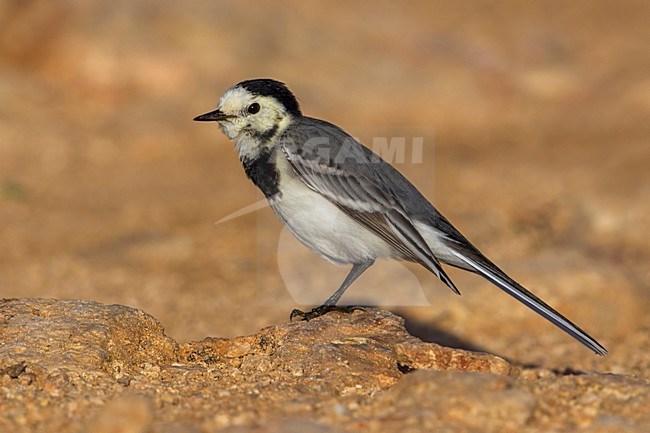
(276, 89)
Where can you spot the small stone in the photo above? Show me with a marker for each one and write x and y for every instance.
(416, 355)
(13, 371)
(124, 380)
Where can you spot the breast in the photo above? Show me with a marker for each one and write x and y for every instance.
(322, 226)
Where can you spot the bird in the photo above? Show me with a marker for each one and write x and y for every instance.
(344, 202)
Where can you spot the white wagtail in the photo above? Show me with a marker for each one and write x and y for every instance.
(344, 202)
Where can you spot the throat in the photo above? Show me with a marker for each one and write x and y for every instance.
(263, 171)
(264, 136)
(249, 141)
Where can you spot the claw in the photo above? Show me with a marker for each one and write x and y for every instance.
(322, 310)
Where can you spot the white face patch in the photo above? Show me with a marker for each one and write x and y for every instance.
(235, 102)
(246, 128)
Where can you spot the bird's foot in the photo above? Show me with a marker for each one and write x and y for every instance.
(319, 311)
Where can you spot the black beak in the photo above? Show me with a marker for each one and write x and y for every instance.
(212, 116)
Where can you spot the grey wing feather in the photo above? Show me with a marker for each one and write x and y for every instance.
(333, 164)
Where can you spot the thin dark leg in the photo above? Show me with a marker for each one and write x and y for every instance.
(330, 303)
(355, 272)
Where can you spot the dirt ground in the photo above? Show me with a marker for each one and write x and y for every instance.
(534, 123)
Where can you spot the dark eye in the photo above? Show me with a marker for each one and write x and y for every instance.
(254, 108)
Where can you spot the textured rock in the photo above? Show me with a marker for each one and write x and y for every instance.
(85, 350)
(79, 337)
(83, 366)
(341, 349)
(415, 354)
(580, 400)
(336, 346)
(428, 401)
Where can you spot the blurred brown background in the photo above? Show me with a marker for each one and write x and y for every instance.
(108, 190)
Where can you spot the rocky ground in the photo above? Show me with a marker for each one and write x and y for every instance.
(535, 145)
(86, 366)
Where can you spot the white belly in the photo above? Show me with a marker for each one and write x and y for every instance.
(323, 228)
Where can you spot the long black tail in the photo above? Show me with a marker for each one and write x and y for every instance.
(484, 267)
